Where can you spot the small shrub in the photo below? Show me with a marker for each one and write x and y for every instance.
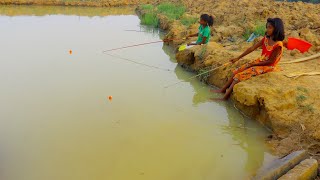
(150, 19)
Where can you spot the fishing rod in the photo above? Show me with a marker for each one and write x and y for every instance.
(192, 77)
(135, 45)
(139, 63)
(141, 44)
(134, 30)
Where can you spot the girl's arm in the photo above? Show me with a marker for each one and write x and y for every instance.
(203, 42)
(193, 35)
(273, 57)
(248, 51)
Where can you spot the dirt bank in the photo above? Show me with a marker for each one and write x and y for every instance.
(288, 106)
(95, 3)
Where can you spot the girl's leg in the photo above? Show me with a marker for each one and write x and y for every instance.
(229, 91)
(225, 87)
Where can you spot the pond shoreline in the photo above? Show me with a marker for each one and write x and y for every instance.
(290, 107)
(272, 99)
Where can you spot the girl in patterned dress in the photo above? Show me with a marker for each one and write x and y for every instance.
(272, 48)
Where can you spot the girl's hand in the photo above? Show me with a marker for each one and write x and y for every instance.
(234, 60)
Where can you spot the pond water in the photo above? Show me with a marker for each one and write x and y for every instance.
(57, 122)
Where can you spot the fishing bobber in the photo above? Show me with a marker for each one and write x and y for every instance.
(110, 98)
(70, 51)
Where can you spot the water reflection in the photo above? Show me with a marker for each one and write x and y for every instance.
(245, 131)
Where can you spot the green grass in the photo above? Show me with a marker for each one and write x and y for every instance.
(302, 89)
(147, 7)
(259, 29)
(203, 52)
(150, 19)
(172, 11)
(187, 21)
(301, 98)
(247, 34)
(205, 74)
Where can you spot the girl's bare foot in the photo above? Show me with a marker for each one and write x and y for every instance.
(217, 91)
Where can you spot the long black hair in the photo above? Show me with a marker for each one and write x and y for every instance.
(207, 18)
(278, 32)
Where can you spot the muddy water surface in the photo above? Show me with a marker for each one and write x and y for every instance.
(56, 121)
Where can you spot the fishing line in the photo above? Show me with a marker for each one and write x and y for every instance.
(135, 45)
(192, 77)
(139, 63)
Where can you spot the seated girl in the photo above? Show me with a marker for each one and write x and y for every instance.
(206, 21)
(272, 48)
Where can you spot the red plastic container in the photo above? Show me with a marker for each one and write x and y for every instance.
(301, 45)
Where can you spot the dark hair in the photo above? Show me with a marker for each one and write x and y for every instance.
(278, 32)
(207, 18)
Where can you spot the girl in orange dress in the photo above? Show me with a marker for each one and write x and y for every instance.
(272, 48)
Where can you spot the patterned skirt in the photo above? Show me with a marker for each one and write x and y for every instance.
(244, 72)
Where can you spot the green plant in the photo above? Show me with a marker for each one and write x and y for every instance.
(150, 19)
(260, 29)
(203, 52)
(302, 89)
(309, 107)
(301, 98)
(247, 34)
(172, 11)
(205, 74)
(187, 21)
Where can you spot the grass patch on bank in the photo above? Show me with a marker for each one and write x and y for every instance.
(150, 19)
(170, 10)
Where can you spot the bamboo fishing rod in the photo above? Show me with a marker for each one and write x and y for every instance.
(192, 77)
(141, 44)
